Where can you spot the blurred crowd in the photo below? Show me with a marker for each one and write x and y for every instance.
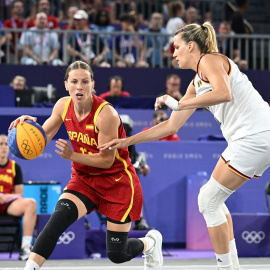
(108, 33)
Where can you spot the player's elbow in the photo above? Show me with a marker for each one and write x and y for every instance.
(107, 163)
(227, 95)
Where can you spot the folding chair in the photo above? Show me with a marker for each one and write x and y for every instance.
(9, 233)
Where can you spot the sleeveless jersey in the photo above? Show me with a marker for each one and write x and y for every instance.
(83, 136)
(7, 175)
(246, 114)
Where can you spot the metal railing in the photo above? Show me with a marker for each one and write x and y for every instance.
(147, 49)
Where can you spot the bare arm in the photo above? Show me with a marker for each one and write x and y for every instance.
(213, 68)
(107, 123)
(171, 126)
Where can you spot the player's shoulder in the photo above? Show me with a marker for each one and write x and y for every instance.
(213, 58)
(61, 104)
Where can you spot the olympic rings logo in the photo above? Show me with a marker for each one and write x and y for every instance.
(66, 238)
(26, 147)
(253, 236)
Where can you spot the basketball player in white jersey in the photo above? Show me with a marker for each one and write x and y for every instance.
(244, 119)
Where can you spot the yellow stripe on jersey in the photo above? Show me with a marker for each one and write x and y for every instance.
(89, 127)
(66, 108)
(13, 168)
(97, 113)
(131, 183)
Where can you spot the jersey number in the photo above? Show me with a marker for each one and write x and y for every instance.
(84, 151)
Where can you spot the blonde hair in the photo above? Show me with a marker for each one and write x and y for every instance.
(204, 35)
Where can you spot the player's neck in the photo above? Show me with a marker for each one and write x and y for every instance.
(3, 161)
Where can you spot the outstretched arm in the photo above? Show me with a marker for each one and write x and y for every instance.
(166, 128)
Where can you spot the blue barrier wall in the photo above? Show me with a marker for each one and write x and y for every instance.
(138, 81)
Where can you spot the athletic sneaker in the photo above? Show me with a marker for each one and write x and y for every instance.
(153, 257)
(25, 253)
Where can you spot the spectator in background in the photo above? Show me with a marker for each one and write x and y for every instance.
(229, 46)
(52, 21)
(19, 83)
(17, 21)
(3, 40)
(11, 197)
(241, 26)
(159, 117)
(192, 16)
(173, 85)
(116, 88)
(102, 23)
(119, 7)
(86, 46)
(146, 8)
(154, 45)
(177, 11)
(71, 23)
(127, 46)
(41, 45)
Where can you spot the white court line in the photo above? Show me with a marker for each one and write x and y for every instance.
(179, 267)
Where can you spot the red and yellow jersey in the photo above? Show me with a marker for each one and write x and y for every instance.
(7, 175)
(83, 136)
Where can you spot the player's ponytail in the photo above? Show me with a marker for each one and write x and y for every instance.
(204, 35)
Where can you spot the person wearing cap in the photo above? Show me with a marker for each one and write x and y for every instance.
(83, 45)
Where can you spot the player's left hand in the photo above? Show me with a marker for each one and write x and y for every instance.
(160, 101)
(64, 147)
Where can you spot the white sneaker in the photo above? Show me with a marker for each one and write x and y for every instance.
(25, 253)
(153, 257)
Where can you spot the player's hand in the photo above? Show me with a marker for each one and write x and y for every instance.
(160, 101)
(21, 119)
(114, 144)
(64, 148)
(145, 170)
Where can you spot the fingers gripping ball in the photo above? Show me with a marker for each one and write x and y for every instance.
(27, 141)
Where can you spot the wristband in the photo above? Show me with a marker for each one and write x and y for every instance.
(172, 103)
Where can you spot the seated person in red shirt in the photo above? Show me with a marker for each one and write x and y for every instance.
(158, 117)
(116, 86)
(44, 6)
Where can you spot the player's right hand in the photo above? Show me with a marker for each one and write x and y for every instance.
(20, 120)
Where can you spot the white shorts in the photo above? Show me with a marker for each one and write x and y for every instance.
(249, 156)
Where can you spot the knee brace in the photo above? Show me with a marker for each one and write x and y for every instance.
(225, 209)
(120, 249)
(64, 215)
(210, 200)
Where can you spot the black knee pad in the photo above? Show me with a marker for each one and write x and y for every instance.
(65, 214)
(120, 249)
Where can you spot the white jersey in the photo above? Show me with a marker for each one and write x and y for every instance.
(246, 114)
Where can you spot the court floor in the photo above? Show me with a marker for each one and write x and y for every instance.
(137, 264)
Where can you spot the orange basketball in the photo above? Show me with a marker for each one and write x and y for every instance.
(27, 141)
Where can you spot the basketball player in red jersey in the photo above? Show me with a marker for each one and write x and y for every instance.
(11, 201)
(100, 180)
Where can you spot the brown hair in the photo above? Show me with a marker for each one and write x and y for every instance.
(79, 65)
(204, 35)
